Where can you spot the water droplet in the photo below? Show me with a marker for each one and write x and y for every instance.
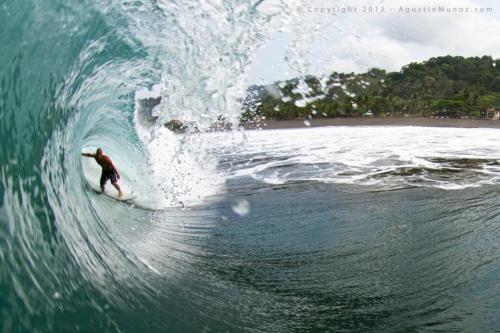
(241, 207)
(300, 103)
(307, 122)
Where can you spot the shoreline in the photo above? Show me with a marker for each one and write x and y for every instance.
(387, 121)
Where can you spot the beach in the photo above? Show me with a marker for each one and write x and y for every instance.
(386, 121)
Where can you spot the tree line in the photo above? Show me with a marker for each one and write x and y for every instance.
(449, 86)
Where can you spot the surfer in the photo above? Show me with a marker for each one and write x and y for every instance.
(109, 171)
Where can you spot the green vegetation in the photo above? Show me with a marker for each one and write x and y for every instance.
(176, 125)
(443, 86)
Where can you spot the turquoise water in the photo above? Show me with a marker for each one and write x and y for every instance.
(336, 229)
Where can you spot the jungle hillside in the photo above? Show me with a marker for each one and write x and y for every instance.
(448, 86)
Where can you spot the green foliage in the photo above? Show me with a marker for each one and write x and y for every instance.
(175, 125)
(442, 86)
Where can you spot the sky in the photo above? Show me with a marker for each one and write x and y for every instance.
(319, 43)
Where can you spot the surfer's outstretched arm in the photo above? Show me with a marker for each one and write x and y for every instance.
(89, 155)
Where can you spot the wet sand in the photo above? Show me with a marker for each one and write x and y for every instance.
(373, 121)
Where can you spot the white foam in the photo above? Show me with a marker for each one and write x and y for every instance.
(144, 93)
(370, 155)
(180, 169)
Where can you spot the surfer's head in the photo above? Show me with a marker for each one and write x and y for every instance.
(99, 152)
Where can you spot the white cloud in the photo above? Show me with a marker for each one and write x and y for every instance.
(389, 40)
(367, 52)
(465, 34)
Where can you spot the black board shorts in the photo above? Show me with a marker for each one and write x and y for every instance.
(108, 175)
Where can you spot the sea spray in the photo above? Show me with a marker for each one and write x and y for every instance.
(204, 82)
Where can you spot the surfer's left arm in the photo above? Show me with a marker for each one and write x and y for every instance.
(116, 171)
(89, 155)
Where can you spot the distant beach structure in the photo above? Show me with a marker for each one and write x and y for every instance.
(493, 113)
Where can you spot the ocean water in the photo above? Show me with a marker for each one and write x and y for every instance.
(331, 229)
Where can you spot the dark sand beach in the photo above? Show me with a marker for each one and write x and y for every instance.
(389, 121)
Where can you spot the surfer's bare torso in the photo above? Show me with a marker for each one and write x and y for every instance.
(109, 171)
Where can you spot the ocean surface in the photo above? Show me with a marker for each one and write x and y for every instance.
(333, 229)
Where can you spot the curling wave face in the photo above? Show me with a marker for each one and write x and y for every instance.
(69, 74)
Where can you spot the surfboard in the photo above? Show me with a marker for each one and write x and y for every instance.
(113, 194)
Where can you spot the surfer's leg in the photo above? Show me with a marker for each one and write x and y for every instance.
(115, 184)
(102, 181)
